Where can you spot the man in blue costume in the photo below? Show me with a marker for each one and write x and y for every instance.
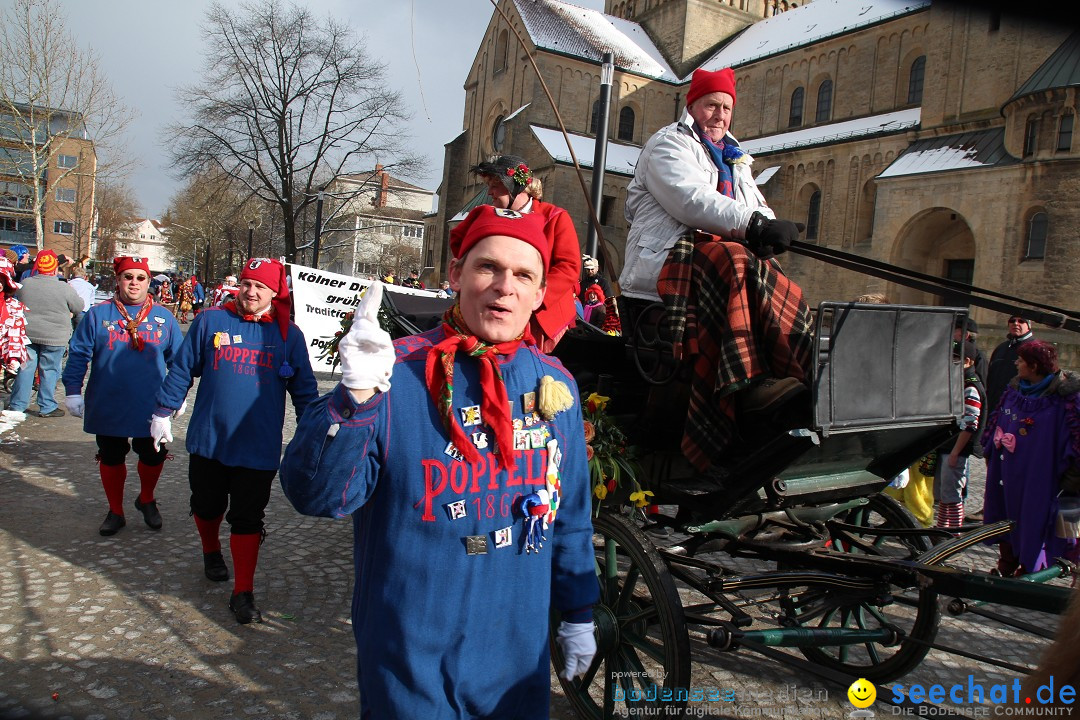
(468, 487)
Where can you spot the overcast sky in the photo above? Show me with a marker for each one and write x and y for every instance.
(149, 47)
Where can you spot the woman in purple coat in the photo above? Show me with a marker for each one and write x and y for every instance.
(1033, 454)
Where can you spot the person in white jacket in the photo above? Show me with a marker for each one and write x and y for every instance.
(751, 325)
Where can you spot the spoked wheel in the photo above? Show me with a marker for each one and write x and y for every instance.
(643, 649)
(912, 612)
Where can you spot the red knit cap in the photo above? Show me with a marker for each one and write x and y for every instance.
(485, 220)
(271, 273)
(121, 264)
(703, 82)
(46, 263)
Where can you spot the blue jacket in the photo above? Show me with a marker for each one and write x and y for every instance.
(442, 633)
(123, 381)
(198, 293)
(240, 405)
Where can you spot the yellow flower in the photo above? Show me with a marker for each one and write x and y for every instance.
(641, 497)
(596, 402)
(599, 491)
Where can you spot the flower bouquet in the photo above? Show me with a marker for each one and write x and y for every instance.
(613, 470)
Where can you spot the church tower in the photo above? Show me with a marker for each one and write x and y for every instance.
(688, 31)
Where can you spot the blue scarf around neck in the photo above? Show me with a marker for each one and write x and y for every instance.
(1028, 389)
(726, 182)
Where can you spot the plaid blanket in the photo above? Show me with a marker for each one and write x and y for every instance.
(736, 319)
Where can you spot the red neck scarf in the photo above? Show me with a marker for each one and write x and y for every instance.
(133, 325)
(494, 407)
(265, 317)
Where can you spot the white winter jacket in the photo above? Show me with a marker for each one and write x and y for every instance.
(673, 190)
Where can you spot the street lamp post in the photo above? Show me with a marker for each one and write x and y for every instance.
(600, 155)
(251, 234)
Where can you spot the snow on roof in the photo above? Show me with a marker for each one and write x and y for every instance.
(872, 125)
(620, 158)
(984, 148)
(584, 33)
(806, 25)
(765, 175)
(514, 114)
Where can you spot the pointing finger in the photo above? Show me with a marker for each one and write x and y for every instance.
(369, 304)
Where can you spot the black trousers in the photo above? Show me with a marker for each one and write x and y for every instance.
(112, 450)
(244, 492)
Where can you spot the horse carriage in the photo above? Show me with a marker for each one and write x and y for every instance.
(852, 580)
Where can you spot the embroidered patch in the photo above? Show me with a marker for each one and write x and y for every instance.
(453, 451)
(518, 423)
(522, 439)
(528, 421)
(456, 510)
(504, 538)
(159, 319)
(537, 438)
(470, 415)
(528, 402)
(476, 545)
(479, 439)
(237, 339)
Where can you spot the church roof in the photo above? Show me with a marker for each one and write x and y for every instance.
(807, 25)
(1061, 70)
(580, 32)
(965, 151)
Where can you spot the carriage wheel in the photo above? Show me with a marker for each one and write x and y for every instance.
(912, 611)
(643, 649)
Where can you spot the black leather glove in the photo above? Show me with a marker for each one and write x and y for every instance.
(766, 237)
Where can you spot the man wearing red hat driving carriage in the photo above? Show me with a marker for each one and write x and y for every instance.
(249, 355)
(749, 336)
(127, 345)
(469, 489)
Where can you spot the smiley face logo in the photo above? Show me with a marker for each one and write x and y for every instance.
(862, 693)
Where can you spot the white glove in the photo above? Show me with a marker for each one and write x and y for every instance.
(578, 645)
(367, 352)
(180, 410)
(74, 405)
(160, 431)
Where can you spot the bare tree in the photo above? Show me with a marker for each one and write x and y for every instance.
(117, 212)
(54, 99)
(286, 103)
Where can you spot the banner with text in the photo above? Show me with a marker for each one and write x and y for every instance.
(321, 299)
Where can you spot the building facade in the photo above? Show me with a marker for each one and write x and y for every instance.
(935, 136)
(66, 168)
(149, 239)
(375, 224)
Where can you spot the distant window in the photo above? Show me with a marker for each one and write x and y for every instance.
(67, 161)
(915, 80)
(1036, 240)
(607, 208)
(995, 20)
(961, 270)
(498, 133)
(824, 102)
(1065, 130)
(153, 237)
(419, 232)
(501, 53)
(795, 116)
(142, 236)
(813, 216)
(66, 195)
(1031, 134)
(626, 124)
(63, 228)
(595, 119)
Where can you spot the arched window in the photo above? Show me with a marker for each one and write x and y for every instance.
(1036, 239)
(915, 80)
(1065, 132)
(824, 102)
(501, 52)
(795, 115)
(813, 216)
(595, 119)
(626, 124)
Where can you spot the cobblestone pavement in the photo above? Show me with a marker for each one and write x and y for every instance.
(128, 627)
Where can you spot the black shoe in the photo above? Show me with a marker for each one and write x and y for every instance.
(150, 513)
(214, 566)
(58, 412)
(243, 607)
(112, 524)
(769, 395)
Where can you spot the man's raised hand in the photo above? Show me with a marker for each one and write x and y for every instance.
(367, 351)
